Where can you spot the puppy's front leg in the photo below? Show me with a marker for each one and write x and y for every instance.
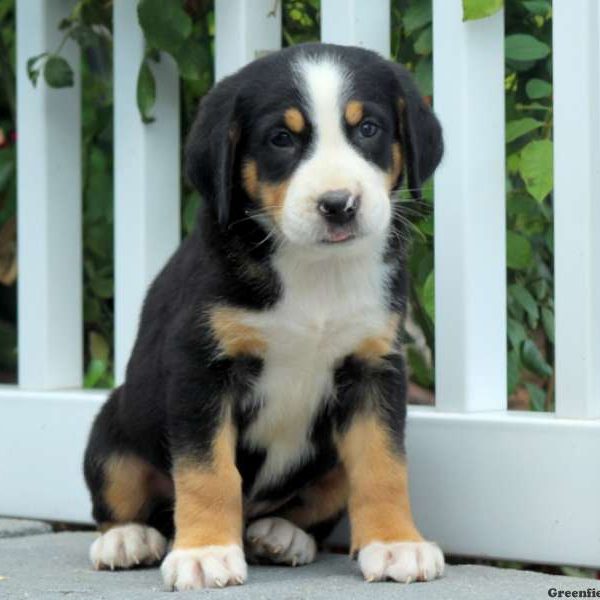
(370, 446)
(207, 551)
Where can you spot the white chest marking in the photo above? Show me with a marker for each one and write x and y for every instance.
(328, 307)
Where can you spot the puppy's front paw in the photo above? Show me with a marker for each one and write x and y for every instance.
(401, 561)
(127, 546)
(204, 567)
(280, 541)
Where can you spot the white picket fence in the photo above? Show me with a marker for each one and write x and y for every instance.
(485, 481)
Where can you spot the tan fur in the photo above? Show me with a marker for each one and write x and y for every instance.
(270, 195)
(294, 120)
(130, 484)
(321, 501)
(250, 178)
(397, 165)
(208, 497)
(354, 112)
(273, 196)
(373, 349)
(233, 336)
(379, 504)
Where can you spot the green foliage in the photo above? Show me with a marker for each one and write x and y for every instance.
(529, 185)
(185, 31)
(525, 48)
(479, 9)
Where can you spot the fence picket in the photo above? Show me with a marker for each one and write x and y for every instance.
(576, 60)
(245, 29)
(357, 23)
(147, 170)
(49, 207)
(470, 230)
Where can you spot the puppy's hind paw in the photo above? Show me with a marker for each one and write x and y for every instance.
(126, 546)
(279, 541)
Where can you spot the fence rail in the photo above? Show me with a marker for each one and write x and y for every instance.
(485, 481)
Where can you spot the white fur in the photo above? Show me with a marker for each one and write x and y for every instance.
(204, 567)
(329, 305)
(126, 546)
(333, 294)
(334, 163)
(401, 561)
(281, 542)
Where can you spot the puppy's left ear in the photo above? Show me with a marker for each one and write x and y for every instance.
(420, 132)
(211, 148)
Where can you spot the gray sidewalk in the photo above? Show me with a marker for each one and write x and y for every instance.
(53, 566)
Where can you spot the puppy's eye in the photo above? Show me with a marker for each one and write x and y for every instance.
(282, 139)
(368, 129)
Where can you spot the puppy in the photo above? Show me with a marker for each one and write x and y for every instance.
(266, 391)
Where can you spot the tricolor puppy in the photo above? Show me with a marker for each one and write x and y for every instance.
(266, 391)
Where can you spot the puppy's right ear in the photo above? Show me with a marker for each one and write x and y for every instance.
(211, 148)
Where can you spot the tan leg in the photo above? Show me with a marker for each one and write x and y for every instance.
(383, 531)
(207, 551)
(130, 487)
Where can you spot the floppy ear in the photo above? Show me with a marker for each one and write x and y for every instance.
(211, 147)
(420, 132)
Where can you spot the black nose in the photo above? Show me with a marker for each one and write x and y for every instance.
(338, 206)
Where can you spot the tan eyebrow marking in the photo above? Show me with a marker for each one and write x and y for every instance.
(396, 168)
(250, 178)
(294, 120)
(354, 112)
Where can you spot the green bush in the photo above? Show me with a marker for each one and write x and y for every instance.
(185, 29)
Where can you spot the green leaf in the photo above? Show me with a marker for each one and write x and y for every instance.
(537, 397)
(524, 47)
(84, 36)
(7, 170)
(426, 225)
(533, 359)
(103, 288)
(98, 347)
(538, 88)
(536, 168)
(424, 76)
(516, 333)
(429, 296)
(424, 43)
(58, 73)
(548, 323)
(416, 16)
(192, 60)
(190, 212)
(479, 9)
(523, 298)
(512, 162)
(513, 370)
(419, 368)
(165, 24)
(32, 72)
(146, 92)
(538, 7)
(519, 253)
(520, 127)
(96, 369)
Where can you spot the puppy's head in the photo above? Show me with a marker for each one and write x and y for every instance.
(310, 142)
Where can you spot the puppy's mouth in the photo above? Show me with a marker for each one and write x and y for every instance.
(338, 234)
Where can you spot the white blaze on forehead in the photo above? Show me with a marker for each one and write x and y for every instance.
(327, 84)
